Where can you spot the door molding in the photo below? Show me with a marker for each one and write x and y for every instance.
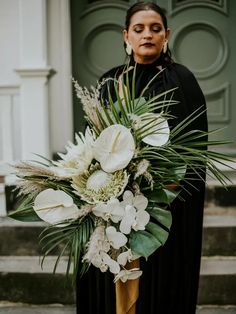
(176, 6)
(211, 30)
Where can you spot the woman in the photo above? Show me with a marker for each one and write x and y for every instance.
(169, 283)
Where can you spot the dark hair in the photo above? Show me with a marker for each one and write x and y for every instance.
(145, 6)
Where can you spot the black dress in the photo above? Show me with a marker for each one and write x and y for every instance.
(169, 283)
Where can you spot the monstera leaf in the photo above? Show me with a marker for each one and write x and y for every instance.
(146, 242)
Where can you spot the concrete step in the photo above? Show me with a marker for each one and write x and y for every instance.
(218, 280)
(23, 280)
(18, 308)
(219, 234)
(22, 237)
(219, 196)
(211, 309)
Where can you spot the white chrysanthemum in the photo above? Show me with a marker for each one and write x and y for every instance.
(111, 210)
(95, 185)
(135, 216)
(130, 274)
(114, 148)
(78, 157)
(156, 128)
(55, 206)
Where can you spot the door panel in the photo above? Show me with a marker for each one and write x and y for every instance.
(96, 42)
(202, 40)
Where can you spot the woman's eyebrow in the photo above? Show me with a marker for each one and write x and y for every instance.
(139, 24)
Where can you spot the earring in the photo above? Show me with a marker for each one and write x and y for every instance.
(128, 48)
(165, 46)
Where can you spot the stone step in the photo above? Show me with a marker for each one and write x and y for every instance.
(218, 280)
(22, 237)
(219, 196)
(219, 235)
(23, 280)
(211, 309)
(18, 308)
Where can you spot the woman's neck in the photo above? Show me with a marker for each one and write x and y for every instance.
(145, 60)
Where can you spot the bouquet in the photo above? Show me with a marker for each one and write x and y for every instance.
(106, 200)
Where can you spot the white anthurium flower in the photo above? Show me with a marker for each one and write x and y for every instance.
(114, 267)
(78, 157)
(111, 210)
(158, 129)
(130, 274)
(54, 206)
(135, 216)
(115, 238)
(125, 257)
(114, 148)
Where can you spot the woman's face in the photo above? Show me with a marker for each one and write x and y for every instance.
(146, 35)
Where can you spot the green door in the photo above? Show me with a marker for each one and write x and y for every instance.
(96, 42)
(202, 39)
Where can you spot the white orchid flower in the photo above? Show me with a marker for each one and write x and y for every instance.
(110, 210)
(125, 257)
(97, 243)
(139, 201)
(114, 148)
(54, 206)
(135, 216)
(115, 238)
(130, 274)
(78, 156)
(157, 128)
(114, 267)
(97, 261)
(142, 219)
(128, 219)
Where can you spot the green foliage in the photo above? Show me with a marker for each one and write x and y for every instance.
(71, 241)
(144, 243)
(25, 211)
(161, 215)
(162, 196)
